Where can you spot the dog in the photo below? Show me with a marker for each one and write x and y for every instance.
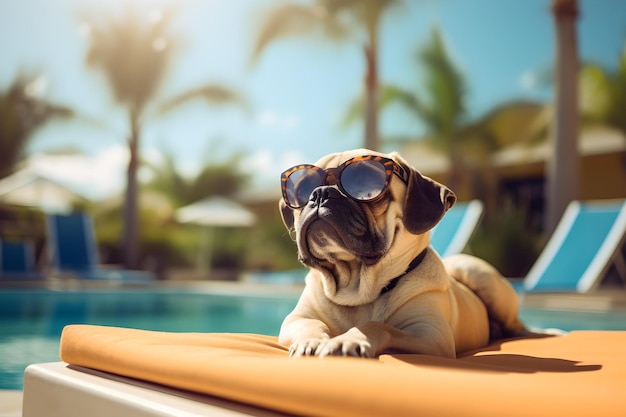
(361, 221)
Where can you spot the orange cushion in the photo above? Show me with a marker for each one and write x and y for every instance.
(581, 374)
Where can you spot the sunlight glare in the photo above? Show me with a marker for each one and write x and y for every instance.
(159, 44)
(155, 16)
(37, 87)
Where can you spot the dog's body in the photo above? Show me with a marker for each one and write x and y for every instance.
(376, 286)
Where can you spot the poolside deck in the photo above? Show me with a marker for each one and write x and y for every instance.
(10, 403)
(602, 300)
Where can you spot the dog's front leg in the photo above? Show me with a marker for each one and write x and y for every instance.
(375, 338)
(354, 342)
(303, 335)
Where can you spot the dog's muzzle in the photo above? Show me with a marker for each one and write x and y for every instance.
(331, 223)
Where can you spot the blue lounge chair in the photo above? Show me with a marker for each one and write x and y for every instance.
(453, 232)
(17, 261)
(74, 253)
(587, 240)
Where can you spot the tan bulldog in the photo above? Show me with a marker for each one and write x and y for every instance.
(361, 221)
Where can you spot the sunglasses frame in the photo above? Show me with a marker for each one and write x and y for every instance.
(391, 167)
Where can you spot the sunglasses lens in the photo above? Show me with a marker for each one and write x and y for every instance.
(301, 184)
(364, 180)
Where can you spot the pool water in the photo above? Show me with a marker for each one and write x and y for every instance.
(31, 321)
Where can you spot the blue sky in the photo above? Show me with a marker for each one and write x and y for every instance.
(299, 88)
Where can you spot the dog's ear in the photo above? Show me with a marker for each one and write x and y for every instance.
(286, 213)
(425, 203)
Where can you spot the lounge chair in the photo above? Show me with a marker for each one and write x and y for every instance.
(453, 232)
(17, 260)
(587, 240)
(74, 253)
(129, 372)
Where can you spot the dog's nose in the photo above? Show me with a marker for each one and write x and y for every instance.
(322, 194)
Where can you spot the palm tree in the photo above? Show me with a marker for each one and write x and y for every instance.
(338, 20)
(22, 112)
(134, 54)
(563, 170)
(603, 94)
(216, 178)
(440, 105)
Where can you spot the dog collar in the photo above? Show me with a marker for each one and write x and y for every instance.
(414, 263)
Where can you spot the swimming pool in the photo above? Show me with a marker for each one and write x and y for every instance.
(31, 320)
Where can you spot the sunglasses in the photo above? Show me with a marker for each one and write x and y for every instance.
(363, 178)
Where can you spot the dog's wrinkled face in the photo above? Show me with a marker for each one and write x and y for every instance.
(359, 246)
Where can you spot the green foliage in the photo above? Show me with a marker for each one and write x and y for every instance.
(164, 244)
(210, 93)
(440, 103)
(271, 246)
(337, 20)
(167, 180)
(134, 54)
(387, 95)
(505, 240)
(603, 93)
(217, 178)
(21, 114)
(167, 244)
(23, 224)
(334, 19)
(285, 20)
(443, 109)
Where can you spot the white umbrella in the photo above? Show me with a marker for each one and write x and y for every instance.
(216, 211)
(34, 190)
(213, 212)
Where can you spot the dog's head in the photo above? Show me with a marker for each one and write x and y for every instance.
(357, 235)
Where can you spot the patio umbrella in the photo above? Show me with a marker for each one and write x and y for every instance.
(34, 190)
(213, 212)
(216, 211)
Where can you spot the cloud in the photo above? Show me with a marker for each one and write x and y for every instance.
(528, 80)
(96, 176)
(103, 175)
(266, 166)
(272, 119)
(540, 78)
(37, 88)
(290, 158)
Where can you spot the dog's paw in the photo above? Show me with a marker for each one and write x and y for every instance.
(345, 345)
(307, 347)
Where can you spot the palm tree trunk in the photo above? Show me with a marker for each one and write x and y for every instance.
(371, 94)
(563, 171)
(130, 242)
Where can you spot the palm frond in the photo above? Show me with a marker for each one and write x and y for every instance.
(444, 89)
(594, 87)
(603, 93)
(167, 180)
(21, 115)
(353, 113)
(358, 13)
(133, 53)
(390, 94)
(286, 20)
(210, 93)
